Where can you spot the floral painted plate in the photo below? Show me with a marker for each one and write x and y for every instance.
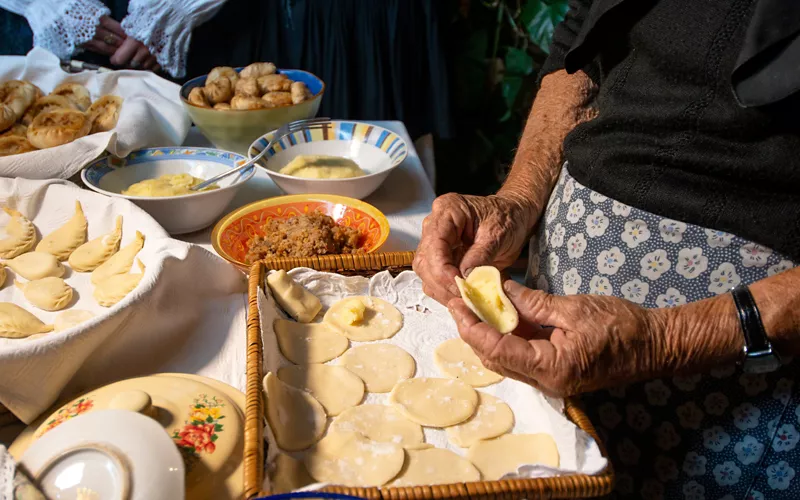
(232, 232)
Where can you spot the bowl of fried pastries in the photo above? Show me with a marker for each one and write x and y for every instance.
(303, 225)
(233, 107)
(31, 120)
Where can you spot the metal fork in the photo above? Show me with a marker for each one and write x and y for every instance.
(289, 128)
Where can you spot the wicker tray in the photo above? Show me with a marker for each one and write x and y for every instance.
(576, 486)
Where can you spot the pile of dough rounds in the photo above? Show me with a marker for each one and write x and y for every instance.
(30, 120)
(315, 410)
(42, 266)
(258, 86)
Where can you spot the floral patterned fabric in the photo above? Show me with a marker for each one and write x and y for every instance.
(723, 435)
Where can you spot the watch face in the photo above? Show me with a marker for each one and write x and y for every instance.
(761, 362)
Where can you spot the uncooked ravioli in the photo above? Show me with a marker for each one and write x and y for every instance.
(20, 235)
(50, 294)
(17, 323)
(492, 418)
(36, 265)
(435, 466)
(435, 402)
(296, 418)
(119, 263)
(64, 240)
(91, 254)
(374, 319)
(303, 343)
(456, 359)
(380, 423)
(505, 454)
(380, 366)
(335, 387)
(350, 459)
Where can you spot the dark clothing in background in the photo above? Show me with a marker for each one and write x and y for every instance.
(673, 135)
(380, 60)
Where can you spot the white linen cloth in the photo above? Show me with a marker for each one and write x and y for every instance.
(149, 330)
(426, 324)
(151, 115)
(8, 468)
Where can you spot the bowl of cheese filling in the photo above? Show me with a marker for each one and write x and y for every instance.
(159, 180)
(343, 158)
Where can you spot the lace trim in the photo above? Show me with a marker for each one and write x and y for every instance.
(62, 29)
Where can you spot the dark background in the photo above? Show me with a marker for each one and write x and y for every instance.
(461, 70)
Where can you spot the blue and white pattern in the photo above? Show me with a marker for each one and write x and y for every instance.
(721, 435)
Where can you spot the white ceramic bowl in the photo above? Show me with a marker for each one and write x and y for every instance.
(376, 150)
(176, 214)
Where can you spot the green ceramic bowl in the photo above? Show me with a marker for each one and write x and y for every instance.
(234, 130)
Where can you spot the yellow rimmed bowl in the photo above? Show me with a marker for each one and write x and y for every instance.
(232, 233)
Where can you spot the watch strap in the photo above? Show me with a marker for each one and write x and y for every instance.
(750, 319)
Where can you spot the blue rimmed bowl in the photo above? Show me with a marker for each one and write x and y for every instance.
(176, 214)
(236, 129)
(375, 149)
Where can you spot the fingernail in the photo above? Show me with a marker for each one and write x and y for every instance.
(468, 271)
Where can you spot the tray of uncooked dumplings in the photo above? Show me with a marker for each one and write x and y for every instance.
(368, 385)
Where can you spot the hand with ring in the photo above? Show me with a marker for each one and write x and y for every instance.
(108, 37)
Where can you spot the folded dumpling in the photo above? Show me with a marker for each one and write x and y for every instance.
(114, 288)
(91, 254)
(50, 294)
(119, 263)
(20, 235)
(17, 323)
(36, 265)
(64, 240)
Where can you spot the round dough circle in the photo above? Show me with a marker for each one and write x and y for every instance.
(303, 343)
(500, 456)
(335, 387)
(351, 459)
(435, 466)
(456, 359)
(492, 418)
(380, 423)
(435, 402)
(297, 419)
(381, 320)
(380, 366)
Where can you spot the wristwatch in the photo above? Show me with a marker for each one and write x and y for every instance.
(759, 356)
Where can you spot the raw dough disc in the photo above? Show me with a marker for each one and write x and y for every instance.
(335, 387)
(297, 419)
(380, 366)
(380, 423)
(456, 359)
(492, 418)
(350, 459)
(497, 457)
(303, 343)
(288, 474)
(435, 466)
(381, 320)
(435, 402)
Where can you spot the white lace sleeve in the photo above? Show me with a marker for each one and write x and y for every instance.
(165, 27)
(59, 26)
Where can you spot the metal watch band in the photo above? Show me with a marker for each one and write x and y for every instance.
(759, 355)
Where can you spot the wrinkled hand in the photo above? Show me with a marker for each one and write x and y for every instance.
(108, 36)
(594, 342)
(134, 54)
(463, 232)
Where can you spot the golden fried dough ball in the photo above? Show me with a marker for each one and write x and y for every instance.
(300, 92)
(258, 69)
(197, 96)
(247, 87)
(16, 130)
(46, 103)
(7, 116)
(274, 83)
(58, 127)
(220, 90)
(14, 145)
(222, 105)
(276, 99)
(242, 102)
(222, 71)
(18, 95)
(104, 113)
(76, 93)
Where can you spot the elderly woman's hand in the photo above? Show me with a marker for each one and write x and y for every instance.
(463, 232)
(595, 342)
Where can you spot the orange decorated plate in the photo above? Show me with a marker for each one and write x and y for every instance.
(232, 232)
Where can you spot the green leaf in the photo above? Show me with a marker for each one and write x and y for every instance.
(518, 62)
(221, 417)
(198, 406)
(217, 428)
(209, 419)
(197, 422)
(214, 438)
(540, 18)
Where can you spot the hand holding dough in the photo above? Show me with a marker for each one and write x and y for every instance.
(50, 294)
(298, 302)
(36, 265)
(114, 288)
(64, 240)
(17, 323)
(297, 419)
(21, 235)
(482, 291)
(91, 254)
(119, 263)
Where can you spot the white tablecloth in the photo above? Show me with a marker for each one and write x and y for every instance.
(217, 347)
